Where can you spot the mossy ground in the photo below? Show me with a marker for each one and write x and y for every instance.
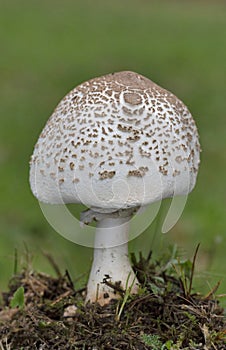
(166, 314)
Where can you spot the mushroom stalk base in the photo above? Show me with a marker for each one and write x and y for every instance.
(111, 272)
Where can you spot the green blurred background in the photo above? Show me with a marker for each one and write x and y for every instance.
(47, 48)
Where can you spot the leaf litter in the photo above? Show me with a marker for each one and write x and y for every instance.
(166, 314)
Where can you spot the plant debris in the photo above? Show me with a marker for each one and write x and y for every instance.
(50, 313)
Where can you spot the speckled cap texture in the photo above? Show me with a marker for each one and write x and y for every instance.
(116, 141)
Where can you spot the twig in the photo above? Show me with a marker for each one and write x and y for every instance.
(53, 264)
(193, 269)
(212, 292)
(69, 280)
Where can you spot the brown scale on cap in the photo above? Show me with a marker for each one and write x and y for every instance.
(124, 115)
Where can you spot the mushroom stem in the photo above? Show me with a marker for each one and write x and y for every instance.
(111, 272)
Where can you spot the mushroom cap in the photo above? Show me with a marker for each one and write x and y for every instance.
(116, 141)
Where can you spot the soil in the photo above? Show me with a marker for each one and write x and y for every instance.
(166, 314)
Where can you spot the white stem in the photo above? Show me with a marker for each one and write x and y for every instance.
(111, 260)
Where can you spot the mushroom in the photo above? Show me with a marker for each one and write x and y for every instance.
(115, 143)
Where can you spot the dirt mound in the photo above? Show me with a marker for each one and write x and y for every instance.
(43, 312)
